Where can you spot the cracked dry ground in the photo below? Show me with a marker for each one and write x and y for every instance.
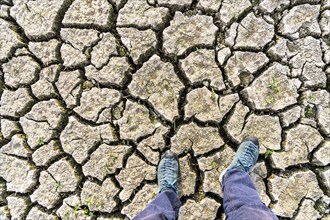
(93, 91)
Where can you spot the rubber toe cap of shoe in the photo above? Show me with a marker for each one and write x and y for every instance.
(168, 153)
(252, 139)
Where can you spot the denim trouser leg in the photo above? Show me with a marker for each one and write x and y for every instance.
(165, 206)
(241, 199)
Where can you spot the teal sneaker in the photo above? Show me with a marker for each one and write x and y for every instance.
(168, 172)
(246, 156)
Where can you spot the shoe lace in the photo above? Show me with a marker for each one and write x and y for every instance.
(167, 170)
(249, 158)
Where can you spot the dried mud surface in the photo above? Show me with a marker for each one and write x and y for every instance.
(92, 92)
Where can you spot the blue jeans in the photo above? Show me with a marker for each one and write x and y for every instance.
(165, 206)
(240, 200)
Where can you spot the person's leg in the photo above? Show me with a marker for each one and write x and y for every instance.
(165, 206)
(167, 203)
(240, 198)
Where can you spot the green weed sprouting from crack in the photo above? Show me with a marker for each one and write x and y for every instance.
(87, 85)
(312, 97)
(200, 195)
(153, 120)
(270, 100)
(5, 212)
(215, 163)
(76, 208)
(66, 215)
(41, 141)
(309, 112)
(88, 212)
(213, 96)
(121, 49)
(153, 195)
(59, 185)
(90, 201)
(268, 153)
(274, 85)
(16, 31)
